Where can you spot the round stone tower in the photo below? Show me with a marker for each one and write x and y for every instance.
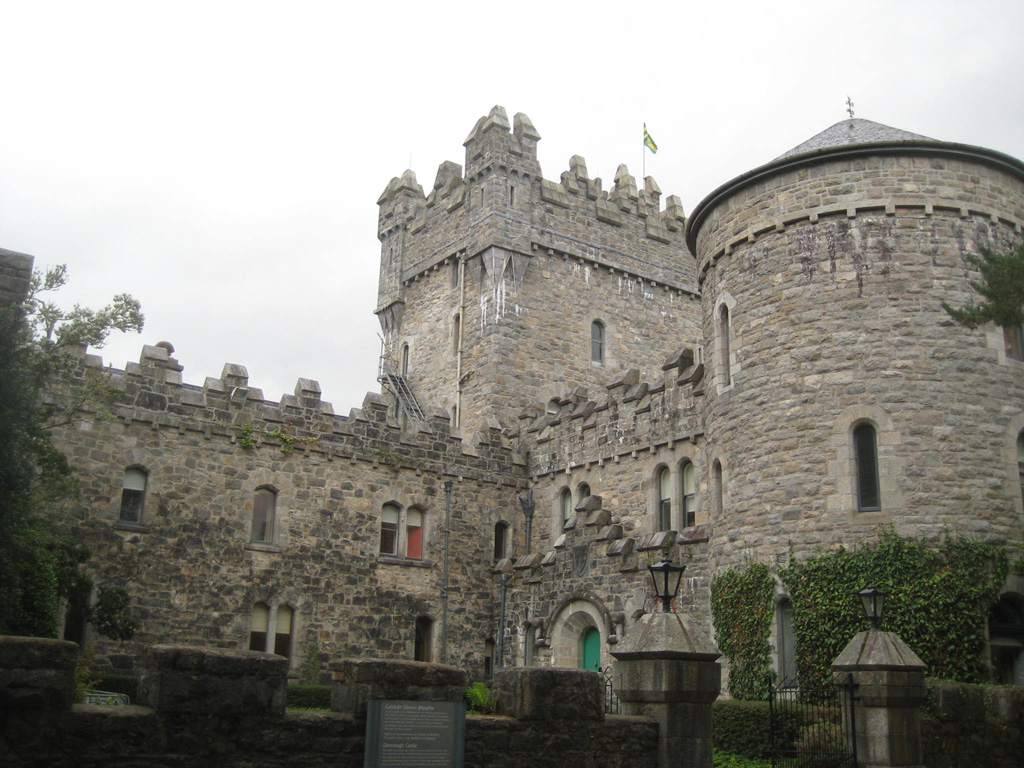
(841, 398)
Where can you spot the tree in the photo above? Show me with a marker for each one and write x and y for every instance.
(37, 339)
(1001, 288)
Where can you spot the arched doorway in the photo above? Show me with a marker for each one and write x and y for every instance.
(422, 650)
(590, 648)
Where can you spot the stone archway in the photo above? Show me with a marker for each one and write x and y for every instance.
(575, 620)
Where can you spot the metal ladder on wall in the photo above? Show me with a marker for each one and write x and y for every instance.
(398, 386)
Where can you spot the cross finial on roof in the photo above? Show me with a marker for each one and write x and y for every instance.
(849, 107)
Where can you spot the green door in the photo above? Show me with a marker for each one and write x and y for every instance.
(590, 642)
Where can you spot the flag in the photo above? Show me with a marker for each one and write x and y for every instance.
(649, 142)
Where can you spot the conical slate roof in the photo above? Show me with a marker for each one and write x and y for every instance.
(853, 131)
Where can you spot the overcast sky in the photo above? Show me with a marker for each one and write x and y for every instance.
(221, 161)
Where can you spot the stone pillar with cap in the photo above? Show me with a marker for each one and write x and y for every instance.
(889, 682)
(671, 673)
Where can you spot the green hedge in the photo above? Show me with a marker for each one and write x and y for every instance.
(309, 696)
(743, 728)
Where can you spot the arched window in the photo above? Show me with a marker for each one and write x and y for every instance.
(133, 496)
(258, 627)
(787, 643)
(422, 651)
(500, 540)
(389, 530)
(597, 342)
(664, 499)
(865, 452)
(564, 507)
(405, 359)
(553, 407)
(283, 631)
(414, 534)
(590, 648)
(723, 344)
(264, 505)
(717, 488)
(689, 495)
(582, 492)
(456, 333)
(455, 416)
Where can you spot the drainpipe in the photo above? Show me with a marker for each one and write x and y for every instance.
(461, 267)
(501, 622)
(444, 583)
(526, 500)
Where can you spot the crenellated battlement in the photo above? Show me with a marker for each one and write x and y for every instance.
(630, 416)
(502, 200)
(227, 407)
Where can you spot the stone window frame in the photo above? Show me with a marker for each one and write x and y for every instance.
(423, 639)
(402, 555)
(598, 342)
(502, 539)
(663, 486)
(1013, 459)
(726, 364)
(271, 638)
(562, 511)
(264, 492)
(404, 359)
(842, 467)
(128, 495)
(415, 536)
(685, 511)
(782, 628)
(718, 487)
(865, 457)
(1013, 342)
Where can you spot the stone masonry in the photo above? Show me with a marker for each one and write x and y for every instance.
(746, 343)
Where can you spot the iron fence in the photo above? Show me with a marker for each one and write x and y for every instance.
(813, 726)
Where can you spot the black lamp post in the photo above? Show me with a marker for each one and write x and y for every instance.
(666, 577)
(873, 599)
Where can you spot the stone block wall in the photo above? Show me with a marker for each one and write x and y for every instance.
(243, 725)
(15, 274)
(834, 273)
(509, 253)
(191, 565)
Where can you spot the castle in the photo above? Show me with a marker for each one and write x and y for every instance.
(577, 381)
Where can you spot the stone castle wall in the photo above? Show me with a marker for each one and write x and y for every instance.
(834, 274)
(15, 274)
(509, 252)
(190, 565)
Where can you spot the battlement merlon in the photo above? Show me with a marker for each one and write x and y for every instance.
(622, 229)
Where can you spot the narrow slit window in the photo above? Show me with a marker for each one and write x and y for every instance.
(263, 508)
(664, 499)
(565, 507)
(133, 496)
(689, 495)
(866, 452)
(597, 342)
(500, 540)
(723, 335)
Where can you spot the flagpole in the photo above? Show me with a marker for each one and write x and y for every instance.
(643, 154)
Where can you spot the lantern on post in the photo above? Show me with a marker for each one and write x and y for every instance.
(666, 576)
(873, 599)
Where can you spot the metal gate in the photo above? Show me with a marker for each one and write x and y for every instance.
(813, 727)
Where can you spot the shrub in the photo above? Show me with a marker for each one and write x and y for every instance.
(744, 728)
(479, 700)
(309, 696)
